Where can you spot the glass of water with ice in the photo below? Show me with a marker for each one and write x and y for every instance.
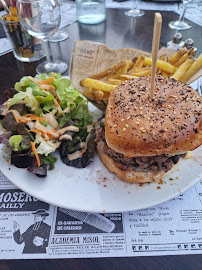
(90, 11)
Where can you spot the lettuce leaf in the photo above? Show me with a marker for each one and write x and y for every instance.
(44, 76)
(80, 116)
(5, 137)
(68, 95)
(45, 147)
(21, 159)
(39, 171)
(28, 99)
(26, 136)
(48, 160)
(24, 84)
(15, 141)
(21, 108)
(9, 123)
(69, 147)
(47, 103)
(39, 93)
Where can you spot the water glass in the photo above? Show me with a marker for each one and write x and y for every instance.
(90, 11)
(134, 12)
(181, 24)
(25, 47)
(41, 19)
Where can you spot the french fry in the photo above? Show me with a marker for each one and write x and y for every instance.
(173, 59)
(106, 94)
(182, 69)
(181, 60)
(164, 58)
(93, 94)
(140, 72)
(97, 85)
(127, 77)
(122, 70)
(110, 71)
(164, 73)
(161, 64)
(114, 81)
(177, 55)
(139, 63)
(191, 53)
(134, 60)
(197, 64)
(130, 66)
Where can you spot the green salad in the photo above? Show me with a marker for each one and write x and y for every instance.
(46, 114)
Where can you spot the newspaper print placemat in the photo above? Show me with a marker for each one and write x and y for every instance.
(30, 228)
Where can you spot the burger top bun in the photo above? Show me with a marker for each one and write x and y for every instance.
(171, 123)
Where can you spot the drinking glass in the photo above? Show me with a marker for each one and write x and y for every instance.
(134, 12)
(181, 24)
(41, 19)
(59, 35)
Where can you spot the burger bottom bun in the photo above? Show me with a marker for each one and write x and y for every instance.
(127, 174)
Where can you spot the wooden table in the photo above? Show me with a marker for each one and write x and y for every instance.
(117, 32)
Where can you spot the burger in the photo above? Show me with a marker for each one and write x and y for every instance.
(143, 140)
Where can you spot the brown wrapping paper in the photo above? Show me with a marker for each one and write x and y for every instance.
(90, 57)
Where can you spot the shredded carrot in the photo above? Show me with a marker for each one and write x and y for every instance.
(52, 87)
(48, 81)
(35, 117)
(34, 130)
(7, 103)
(42, 88)
(59, 101)
(16, 118)
(35, 153)
(94, 123)
(38, 131)
(58, 104)
(49, 134)
(4, 131)
(23, 120)
(54, 130)
(83, 151)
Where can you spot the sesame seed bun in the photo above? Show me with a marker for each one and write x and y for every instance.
(171, 123)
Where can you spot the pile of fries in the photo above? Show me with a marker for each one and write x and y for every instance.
(180, 66)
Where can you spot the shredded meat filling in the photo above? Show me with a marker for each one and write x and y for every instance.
(145, 163)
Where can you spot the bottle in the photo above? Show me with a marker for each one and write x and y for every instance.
(90, 11)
